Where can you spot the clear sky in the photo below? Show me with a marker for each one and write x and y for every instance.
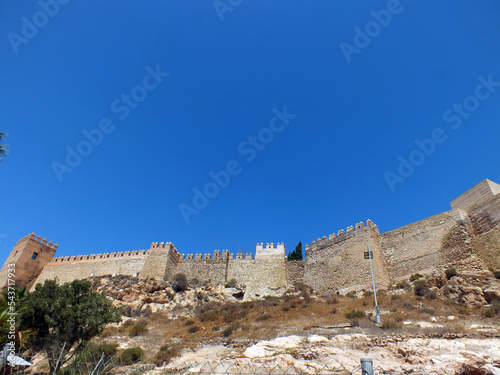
(320, 114)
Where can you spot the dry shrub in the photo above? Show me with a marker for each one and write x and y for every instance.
(137, 329)
(193, 329)
(166, 353)
(262, 317)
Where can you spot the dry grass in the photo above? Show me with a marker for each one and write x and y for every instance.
(264, 319)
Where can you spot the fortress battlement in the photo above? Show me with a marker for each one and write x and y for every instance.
(31, 236)
(103, 256)
(217, 255)
(342, 235)
(466, 236)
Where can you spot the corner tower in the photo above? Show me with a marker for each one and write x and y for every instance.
(30, 255)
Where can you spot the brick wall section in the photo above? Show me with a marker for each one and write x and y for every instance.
(212, 271)
(338, 263)
(27, 269)
(427, 244)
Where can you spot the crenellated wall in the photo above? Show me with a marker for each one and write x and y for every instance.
(466, 237)
(66, 269)
(338, 262)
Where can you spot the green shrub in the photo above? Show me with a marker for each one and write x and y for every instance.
(137, 329)
(109, 349)
(420, 288)
(415, 276)
(230, 284)
(497, 274)
(450, 272)
(354, 314)
(132, 355)
(179, 282)
(368, 293)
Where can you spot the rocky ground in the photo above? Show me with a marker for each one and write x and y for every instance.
(452, 327)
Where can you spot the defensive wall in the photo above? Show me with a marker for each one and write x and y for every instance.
(338, 262)
(467, 236)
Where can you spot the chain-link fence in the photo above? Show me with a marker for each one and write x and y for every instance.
(232, 368)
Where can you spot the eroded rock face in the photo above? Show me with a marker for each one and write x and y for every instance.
(492, 293)
(460, 291)
(139, 295)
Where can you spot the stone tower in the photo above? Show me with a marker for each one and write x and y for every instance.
(30, 255)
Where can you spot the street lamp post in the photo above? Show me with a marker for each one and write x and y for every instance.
(369, 255)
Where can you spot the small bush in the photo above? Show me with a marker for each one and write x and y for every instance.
(193, 329)
(263, 317)
(431, 294)
(497, 274)
(229, 330)
(179, 282)
(389, 324)
(420, 288)
(395, 297)
(189, 322)
(427, 310)
(450, 272)
(132, 355)
(408, 305)
(354, 314)
(491, 311)
(333, 311)
(166, 353)
(301, 287)
(137, 329)
(488, 313)
(415, 276)
(496, 306)
(368, 293)
(332, 301)
(351, 295)
(230, 284)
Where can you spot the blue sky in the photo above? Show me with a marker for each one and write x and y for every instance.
(368, 87)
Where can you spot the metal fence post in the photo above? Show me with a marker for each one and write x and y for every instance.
(367, 366)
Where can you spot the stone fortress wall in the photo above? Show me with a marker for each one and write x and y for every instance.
(463, 237)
